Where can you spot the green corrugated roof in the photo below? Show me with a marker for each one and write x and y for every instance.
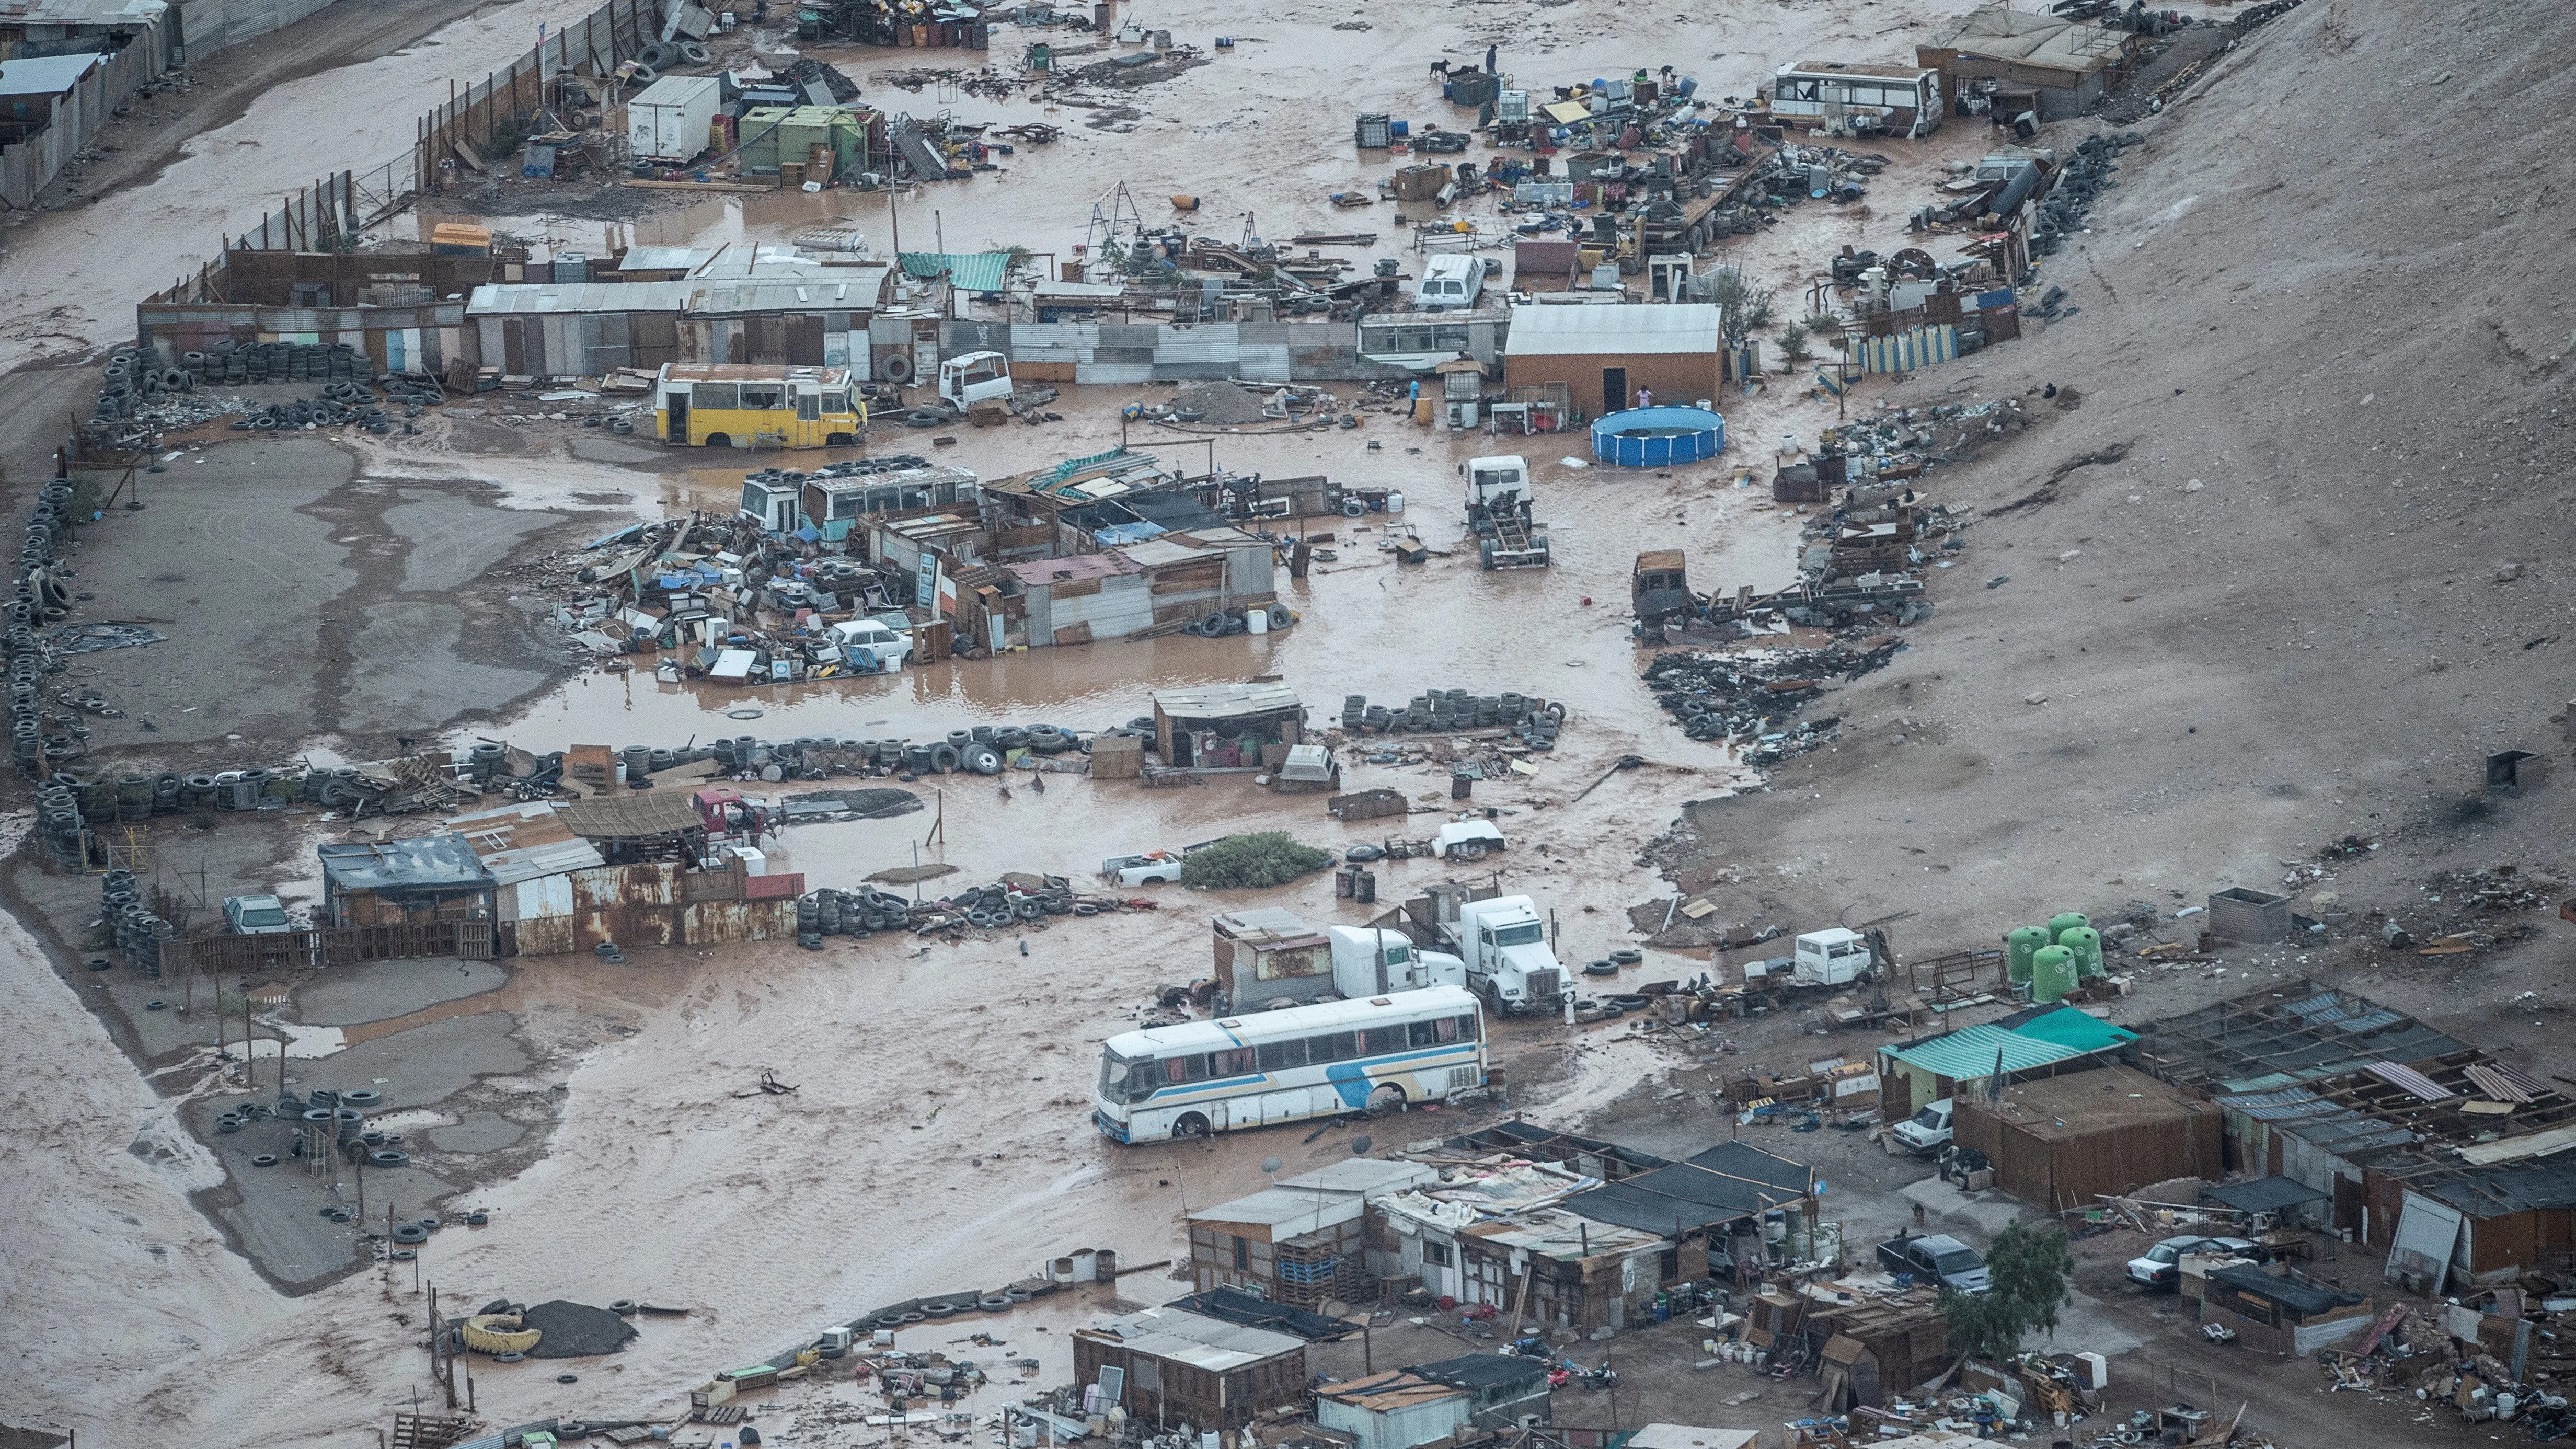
(1971, 1052)
(967, 271)
(2072, 1028)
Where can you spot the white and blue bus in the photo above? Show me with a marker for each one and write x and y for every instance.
(1290, 1065)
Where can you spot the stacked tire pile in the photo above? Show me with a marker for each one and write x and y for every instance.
(135, 378)
(238, 363)
(980, 750)
(863, 913)
(1221, 622)
(2087, 176)
(664, 55)
(138, 933)
(1753, 698)
(340, 404)
(1533, 720)
(40, 598)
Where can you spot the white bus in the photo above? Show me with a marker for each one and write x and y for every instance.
(1284, 1066)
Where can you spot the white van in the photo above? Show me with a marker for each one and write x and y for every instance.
(1449, 284)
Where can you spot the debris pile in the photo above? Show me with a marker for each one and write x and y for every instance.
(1749, 698)
(575, 1330)
(1015, 899)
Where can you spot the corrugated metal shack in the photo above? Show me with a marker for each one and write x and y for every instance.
(2037, 61)
(577, 329)
(1301, 1241)
(555, 893)
(1408, 1407)
(430, 877)
(1209, 726)
(1180, 1369)
(1138, 352)
(2288, 1313)
(2062, 1142)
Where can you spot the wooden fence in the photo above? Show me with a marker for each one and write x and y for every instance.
(28, 165)
(334, 946)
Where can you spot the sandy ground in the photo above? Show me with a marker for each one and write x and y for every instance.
(2260, 680)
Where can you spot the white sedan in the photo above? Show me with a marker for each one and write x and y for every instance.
(881, 646)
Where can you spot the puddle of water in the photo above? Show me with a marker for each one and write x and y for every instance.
(300, 1042)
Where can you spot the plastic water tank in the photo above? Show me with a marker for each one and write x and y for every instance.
(2019, 947)
(2086, 943)
(2052, 974)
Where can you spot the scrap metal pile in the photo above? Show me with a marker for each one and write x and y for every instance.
(1751, 698)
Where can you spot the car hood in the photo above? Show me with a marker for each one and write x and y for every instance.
(1971, 1281)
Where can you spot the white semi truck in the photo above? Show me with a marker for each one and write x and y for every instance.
(1373, 962)
(1503, 943)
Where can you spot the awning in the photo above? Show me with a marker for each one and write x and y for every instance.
(2263, 1194)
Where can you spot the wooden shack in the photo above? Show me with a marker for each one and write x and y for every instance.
(1178, 1370)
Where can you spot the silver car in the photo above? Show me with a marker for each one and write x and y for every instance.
(2161, 1265)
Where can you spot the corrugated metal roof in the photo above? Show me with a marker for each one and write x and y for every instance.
(1195, 1339)
(1069, 570)
(45, 75)
(80, 12)
(532, 298)
(1629, 330)
(1973, 1052)
(966, 271)
(1225, 701)
(425, 862)
(854, 289)
(1287, 1213)
(525, 842)
(2408, 1079)
(1731, 1180)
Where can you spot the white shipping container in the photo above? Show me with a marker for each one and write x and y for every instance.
(672, 119)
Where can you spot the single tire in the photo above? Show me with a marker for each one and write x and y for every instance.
(265, 1159)
(1628, 957)
(411, 1233)
(896, 368)
(940, 1309)
(1028, 908)
(513, 1356)
(1086, 909)
(1279, 618)
(994, 1303)
(1190, 1125)
(983, 759)
(387, 1158)
(944, 758)
(644, 75)
(653, 57)
(1353, 508)
(693, 52)
(719, 440)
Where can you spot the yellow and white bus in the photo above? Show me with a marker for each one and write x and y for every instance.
(1263, 1067)
(756, 405)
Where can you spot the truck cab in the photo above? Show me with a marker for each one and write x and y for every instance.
(1449, 284)
(1659, 587)
(1358, 952)
(974, 378)
(1499, 499)
(1835, 957)
(1503, 942)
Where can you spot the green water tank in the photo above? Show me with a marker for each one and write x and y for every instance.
(2086, 943)
(2063, 922)
(2052, 974)
(2023, 943)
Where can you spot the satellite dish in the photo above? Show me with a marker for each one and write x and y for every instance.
(1271, 1165)
(1360, 1145)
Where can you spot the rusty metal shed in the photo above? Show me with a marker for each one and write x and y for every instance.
(2063, 1142)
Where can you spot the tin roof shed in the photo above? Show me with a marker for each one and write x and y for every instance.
(1625, 330)
(428, 862)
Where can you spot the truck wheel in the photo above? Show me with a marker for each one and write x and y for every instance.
(1192, 1125)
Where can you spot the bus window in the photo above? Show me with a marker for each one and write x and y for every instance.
(1421, 1033)
(1380, 1040)
(1184, 1069)
(1122, 1080)
(1232, 1063)
(836, 403)
(716, 395)
(763, 396)
(1278, 1054)
(1338, 1047)
(1467, 1028)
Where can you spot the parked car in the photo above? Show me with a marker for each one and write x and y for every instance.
(1926, 1131)
(256, 916)
(1935, 1259)
(886, 647)
(1154, 867)
(2161, 1265)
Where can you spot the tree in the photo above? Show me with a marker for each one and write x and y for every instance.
(1744, 308)
(1793, 342)
(2026, 1285)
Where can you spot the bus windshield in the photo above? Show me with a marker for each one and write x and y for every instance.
(1525, 933)
(1123, 1080)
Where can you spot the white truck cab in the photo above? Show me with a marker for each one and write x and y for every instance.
(1491, 482)
(1832, 958)
(975, 377)
(1449, 284)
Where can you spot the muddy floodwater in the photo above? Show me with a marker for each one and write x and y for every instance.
(939, 1137)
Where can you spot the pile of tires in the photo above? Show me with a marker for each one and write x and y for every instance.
(131, 924)
(41, 596)
(339, 405)
(1218, 623)
(1533, 720)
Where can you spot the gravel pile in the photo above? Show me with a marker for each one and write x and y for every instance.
(575, 1330)
(1222, 403)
